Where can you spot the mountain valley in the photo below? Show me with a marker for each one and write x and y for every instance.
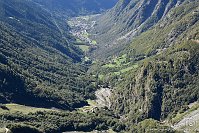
(90, 66)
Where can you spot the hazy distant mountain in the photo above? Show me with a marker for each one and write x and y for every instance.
(77, 7)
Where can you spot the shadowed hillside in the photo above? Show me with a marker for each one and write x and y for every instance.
(40, 58)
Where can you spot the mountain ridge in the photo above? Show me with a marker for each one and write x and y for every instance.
(76, 7)
(129, 19)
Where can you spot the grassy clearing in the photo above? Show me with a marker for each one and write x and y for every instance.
(13, 108)
(120, 60)
(121, 65)
(109, 65)
(126, 69)
(86, 35)
(84, 48)
(94, 42)
(117, 62)
(91, 103)
(79, 41)
(101, 76)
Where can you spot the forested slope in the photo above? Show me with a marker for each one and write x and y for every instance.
(128, 19)
(38, 59)
(151, 73)
(162, 86)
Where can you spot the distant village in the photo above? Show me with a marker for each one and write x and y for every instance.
(79, 28)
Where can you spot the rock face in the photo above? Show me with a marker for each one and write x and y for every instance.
(129, 18)
(103, 97)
